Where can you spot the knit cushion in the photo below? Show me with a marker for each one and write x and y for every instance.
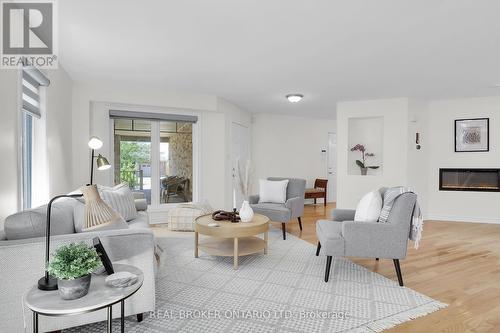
(121, 199)
(368, 208)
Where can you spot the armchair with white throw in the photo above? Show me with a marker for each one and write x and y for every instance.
(292, 207)
(348, 238)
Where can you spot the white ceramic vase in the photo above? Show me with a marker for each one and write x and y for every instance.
(246, 212)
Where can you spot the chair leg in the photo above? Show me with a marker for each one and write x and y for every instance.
(314, 200)
(283, 228)
(300, 223)
(398, 272)
(328, 266)
(318, 249)
(324, 201)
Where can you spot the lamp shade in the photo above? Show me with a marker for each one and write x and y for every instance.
(95, 143)
(102, 163)
(97, 212)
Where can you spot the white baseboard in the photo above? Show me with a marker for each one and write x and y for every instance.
(470, 219)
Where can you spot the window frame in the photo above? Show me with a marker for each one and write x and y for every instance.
(157, 210)
(27, 124)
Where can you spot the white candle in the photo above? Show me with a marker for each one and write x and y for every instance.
(234, 198)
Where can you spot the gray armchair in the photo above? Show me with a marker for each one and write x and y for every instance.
(345, 237)
(291, 209)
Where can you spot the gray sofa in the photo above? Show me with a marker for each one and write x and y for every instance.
(291, 209)
(22, 262)
(344, 237)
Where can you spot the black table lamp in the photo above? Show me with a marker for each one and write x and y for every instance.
(47, 282)
(97, 213)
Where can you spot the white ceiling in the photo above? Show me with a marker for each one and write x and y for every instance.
(254, 52)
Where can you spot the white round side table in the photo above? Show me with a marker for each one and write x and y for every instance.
(100, 296)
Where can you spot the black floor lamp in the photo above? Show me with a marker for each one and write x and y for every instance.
(102, 163)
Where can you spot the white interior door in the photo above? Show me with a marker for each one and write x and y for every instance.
(332, 167)
(240, 150)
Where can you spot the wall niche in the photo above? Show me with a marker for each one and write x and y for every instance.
(369, 133)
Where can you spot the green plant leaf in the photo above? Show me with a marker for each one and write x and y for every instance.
(360, 164)
(73, 261)
(374, 167)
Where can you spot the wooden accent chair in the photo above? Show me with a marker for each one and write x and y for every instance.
(319, 190)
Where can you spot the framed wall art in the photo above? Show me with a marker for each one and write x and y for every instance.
(472, 135)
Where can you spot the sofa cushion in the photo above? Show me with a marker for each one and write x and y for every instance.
(32, 223)
(141, 222)
(273, 191)
(2, 231)
(315, 190)
(275, 212)
(121, 199)
(329, 234)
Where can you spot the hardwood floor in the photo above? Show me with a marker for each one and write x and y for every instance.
(457, 263)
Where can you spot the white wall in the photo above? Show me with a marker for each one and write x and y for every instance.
(9, 143)
(418, 159)
(59, 134)
(289, 146)
(394, 160)
(461, 206)
(56, 147)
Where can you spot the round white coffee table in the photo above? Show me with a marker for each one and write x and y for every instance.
(100, 296)
(231, 239)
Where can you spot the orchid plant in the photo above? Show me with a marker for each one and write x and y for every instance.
(364, 155)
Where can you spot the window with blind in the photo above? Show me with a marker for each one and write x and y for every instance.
(32, 83)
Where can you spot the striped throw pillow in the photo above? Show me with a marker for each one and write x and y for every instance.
(121, 199)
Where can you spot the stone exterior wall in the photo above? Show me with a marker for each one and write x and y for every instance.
(181, 156)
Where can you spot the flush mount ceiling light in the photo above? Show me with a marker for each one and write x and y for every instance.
(294, 98)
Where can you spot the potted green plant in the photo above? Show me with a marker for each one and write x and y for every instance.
(362, 163)
(71, 265)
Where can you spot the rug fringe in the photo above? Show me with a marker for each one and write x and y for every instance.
(400, 318)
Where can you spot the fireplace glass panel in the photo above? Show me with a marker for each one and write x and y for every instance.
(469, 180)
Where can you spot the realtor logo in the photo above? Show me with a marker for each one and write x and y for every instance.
(28, 31)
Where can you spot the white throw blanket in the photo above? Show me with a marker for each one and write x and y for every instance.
(417, 223)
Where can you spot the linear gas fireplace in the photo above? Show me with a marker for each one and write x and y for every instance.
(487, 180)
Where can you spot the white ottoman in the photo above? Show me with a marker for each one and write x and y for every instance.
(182, 217)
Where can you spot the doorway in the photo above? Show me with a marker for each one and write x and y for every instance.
(240, 151)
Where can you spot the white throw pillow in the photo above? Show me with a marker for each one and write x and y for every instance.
(120, 198)
(273, 191)
(369, 207)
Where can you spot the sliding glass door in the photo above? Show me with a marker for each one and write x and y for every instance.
(132, 154)
(176, 162)
(155, 157)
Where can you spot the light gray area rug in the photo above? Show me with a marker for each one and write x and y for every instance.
(283, 291)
